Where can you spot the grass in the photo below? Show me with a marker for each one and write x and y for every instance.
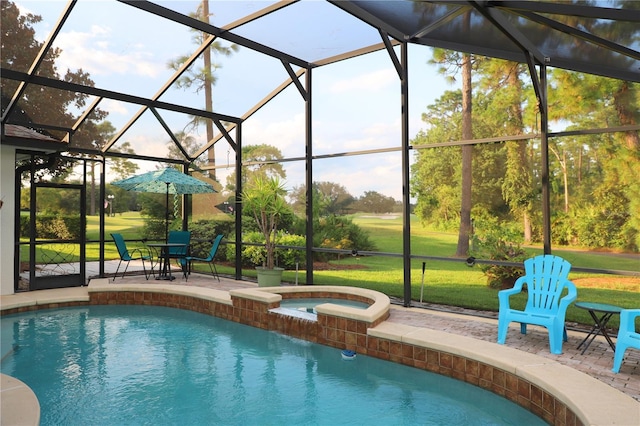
(445, 282)
(453, 283)
(128, 224)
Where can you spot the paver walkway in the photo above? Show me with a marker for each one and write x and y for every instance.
(597, 361)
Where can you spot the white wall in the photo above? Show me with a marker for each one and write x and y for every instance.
(7, 217)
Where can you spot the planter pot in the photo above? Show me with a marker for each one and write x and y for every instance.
(269, 277)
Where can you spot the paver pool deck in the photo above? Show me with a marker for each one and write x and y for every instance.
(596, 362)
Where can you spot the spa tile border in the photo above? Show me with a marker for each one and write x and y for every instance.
(508, 385)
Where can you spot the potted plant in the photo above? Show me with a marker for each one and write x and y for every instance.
(264, 199)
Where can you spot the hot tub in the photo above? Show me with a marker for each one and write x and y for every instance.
(309, 304)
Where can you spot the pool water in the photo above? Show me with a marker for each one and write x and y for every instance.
(137, 365)
(309, 304)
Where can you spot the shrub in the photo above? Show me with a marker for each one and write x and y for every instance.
(496, 242)
(563, 229)
(337, 232)
(24, 226)
(204, 232)
(53, 226)
(153, 229)
(254, 255)
(287, 258)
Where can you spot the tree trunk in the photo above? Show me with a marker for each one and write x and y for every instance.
(467, 159)
(565, 178)
(565, 172)
(623, 100)
(516, 126)
(526, 224)
(92, 192)
(208, 93)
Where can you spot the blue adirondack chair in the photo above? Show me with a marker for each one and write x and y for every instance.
(209, 259)
(628, 337)
(549, 295)
(127, 255)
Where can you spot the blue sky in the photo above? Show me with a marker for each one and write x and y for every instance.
(356, 103)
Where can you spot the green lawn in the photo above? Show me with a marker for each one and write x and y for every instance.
(453, 283)
(128, 224)
(445, 282)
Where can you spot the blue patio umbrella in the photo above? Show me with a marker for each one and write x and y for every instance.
(169, 181)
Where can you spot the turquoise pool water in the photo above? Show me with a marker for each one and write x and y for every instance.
(146, 365)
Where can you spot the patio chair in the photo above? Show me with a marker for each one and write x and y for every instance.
(127, 255)
(209, 259)
(546, 281)
(179, 253)
(628, 337)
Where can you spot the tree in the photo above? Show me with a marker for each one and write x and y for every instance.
(464, 61)
(103, 132)
(437, 172)
(264, 199)
(605, 161)
(506, 183)
(329, 198)
(121, 167)
(189, 144)
(606, 102)
(435, 175)
(95, 138)
(43, 105)
(334, 198)
(19, 48)
(464, 232)
(501, 82)
(258, 160)
(374, 202)
(203, 78)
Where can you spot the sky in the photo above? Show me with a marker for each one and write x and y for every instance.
(356, 103)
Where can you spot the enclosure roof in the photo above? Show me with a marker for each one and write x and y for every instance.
(594, 37)
(585, 36)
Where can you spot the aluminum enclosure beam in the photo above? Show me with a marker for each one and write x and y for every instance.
(213, 30)
(406, 161)
(109, 94)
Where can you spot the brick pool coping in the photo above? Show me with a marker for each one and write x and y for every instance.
(556, 393)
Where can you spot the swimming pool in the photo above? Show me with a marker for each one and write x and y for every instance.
(156, 365)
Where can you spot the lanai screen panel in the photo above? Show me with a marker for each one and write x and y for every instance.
(577, 36)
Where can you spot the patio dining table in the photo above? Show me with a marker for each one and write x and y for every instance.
(163, 258)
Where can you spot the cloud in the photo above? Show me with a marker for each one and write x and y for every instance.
(24, 10)
(146, 144)
(358, 174)
(115, 107)
(287, 135)
(92, 51)
(370, 82)
(345, 136)
(365, 173)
